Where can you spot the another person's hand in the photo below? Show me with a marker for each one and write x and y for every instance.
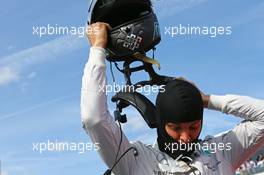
(205, 97)
(98, 34)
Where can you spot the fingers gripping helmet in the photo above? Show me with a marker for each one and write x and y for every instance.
(135, 27)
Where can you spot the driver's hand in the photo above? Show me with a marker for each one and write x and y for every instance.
(97, 34)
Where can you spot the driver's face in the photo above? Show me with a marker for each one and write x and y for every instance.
(184, 132)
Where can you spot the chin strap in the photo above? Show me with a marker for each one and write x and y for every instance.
(147, 66)
(146, 59)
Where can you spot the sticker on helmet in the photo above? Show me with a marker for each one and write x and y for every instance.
(132, 42)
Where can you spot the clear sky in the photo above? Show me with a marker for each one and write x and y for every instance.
(40, 77)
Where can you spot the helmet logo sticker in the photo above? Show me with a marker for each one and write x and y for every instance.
(132, 42)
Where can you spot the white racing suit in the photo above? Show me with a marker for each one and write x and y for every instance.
(244, 140)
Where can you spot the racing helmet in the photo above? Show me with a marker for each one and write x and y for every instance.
(135, 27)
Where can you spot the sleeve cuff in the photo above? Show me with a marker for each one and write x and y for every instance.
(97, 56)
(217, 102)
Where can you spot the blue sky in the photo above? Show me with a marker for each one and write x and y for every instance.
(40, 78)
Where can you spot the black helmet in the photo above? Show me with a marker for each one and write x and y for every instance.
(135, 27)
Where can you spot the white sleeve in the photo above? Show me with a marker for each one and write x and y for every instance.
(96, 119)
(247, 137)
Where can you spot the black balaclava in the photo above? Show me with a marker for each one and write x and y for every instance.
(180, 102)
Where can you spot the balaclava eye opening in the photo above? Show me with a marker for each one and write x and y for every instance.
(179, 102)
